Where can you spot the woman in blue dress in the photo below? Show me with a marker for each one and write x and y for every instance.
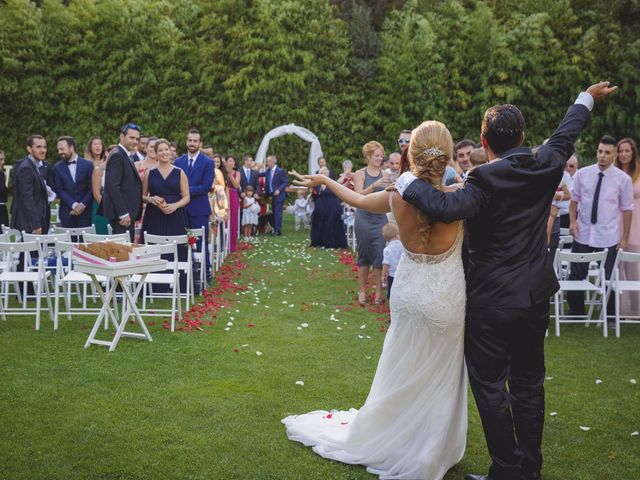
(327, 229)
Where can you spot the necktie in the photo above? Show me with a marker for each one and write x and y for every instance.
(271, 182)
(596, 198)
(190, 165)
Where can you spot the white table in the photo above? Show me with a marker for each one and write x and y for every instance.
(119, 275)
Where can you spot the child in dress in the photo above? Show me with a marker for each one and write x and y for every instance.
(250, 211)
(301, 210)
(390, 255)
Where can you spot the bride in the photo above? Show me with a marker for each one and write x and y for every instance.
(413, 424)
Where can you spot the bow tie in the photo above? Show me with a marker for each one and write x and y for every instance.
(71, 162)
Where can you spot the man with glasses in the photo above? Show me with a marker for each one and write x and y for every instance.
(403, 140)
(122, 199)
(570, 171)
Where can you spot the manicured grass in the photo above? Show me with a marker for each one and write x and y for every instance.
(204, 405)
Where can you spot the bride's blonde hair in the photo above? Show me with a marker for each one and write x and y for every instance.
(430, 151)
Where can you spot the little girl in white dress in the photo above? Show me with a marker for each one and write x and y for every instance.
(250, 212)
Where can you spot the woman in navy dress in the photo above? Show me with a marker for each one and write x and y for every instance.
(326, 220)
(165, 190)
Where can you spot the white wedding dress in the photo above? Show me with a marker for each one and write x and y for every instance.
(413, 424)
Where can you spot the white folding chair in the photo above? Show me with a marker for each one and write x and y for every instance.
(39, 279)
(47, 249)
(199, 255)
(14, 235)
(597, 287)
(617, 286)
(66, 277)
(115, 237)
(172, 279)
(77, 232)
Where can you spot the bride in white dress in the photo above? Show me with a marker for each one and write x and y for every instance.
(413, 424)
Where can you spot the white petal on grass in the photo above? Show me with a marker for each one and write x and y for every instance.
(300, 382)
(338, 328)
(585, 429)
(553, 414)
(360, 336)
(245, 345)
(258, 353)
(299, 328)
(549, 378)
(362, 327)
(226, 329)
(633, 381)
(229, 324)
(635, 434)
(598, 381)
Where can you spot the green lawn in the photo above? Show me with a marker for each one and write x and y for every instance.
(205, 405)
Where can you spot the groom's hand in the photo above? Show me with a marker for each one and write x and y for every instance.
(600, 90)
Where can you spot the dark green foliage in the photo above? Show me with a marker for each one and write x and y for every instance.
(348, 70)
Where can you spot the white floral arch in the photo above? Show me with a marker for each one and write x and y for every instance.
(314, 153)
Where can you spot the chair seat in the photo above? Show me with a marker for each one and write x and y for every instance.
(575, 285)
(166, 278)
(625, 285)
(21, 276)
(79, 277)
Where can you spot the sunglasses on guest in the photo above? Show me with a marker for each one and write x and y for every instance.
(403, 141)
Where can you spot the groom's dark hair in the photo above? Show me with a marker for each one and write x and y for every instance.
(503, 127)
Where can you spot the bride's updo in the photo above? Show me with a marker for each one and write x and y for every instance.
(430, 151)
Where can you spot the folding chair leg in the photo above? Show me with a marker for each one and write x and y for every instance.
(617, 302)
(556, 298)
(38, 306)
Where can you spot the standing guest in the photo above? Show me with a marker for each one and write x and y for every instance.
(218, 198)
(251, 209)
(562, 195)
(233, 177)
(199, 169)
(571, 168)
(301, 212)
(477, 157)
(208, 151)
(4, 193)
(601, 202)
(391, 255)
(73, 180)
(327, 229)
(346, 177)
(248, 176)
(30, 204)
(141, 153)
(165, 190)
(150, 162)
(263, 217)
(629, 162)
(276, 182)
(95, 152)
(174, 151)
(368, 226)
(403, 140)
(322, 163)
(110, 149)
(122, 198)
(462, 157)
(394, 166)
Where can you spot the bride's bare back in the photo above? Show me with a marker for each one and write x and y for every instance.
(409, 225)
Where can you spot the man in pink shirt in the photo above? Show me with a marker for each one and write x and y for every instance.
(601, 201)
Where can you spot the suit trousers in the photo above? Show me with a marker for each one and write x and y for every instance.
(579, 271)
(117, 228)
(197, 222)
(504, 351)
(277, 204)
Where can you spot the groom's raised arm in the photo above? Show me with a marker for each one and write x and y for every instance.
(441, 206)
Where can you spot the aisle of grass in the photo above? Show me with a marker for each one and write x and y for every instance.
(206, 405)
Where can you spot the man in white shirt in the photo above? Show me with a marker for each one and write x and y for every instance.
(601, 201)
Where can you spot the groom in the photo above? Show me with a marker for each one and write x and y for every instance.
(510, 278)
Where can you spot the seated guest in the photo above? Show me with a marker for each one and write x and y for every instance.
(73, 185)
(326, 220)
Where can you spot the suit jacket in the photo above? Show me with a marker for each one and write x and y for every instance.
(252, 180)
(122, 187)
(200, 183)
(70, 191)
(506, 204)
(280, 182)
(30, 206)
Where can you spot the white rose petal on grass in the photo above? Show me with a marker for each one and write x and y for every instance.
(229, 324)
(635, 434)
(598, 381)
(304, 325)
(226, 329)
(338, 328)
(360, 336)
(258, 353)
(633, 381)
(362, 327)
(585, 429)
(299, 328)
(245, 345)
(553, 414)
(549, 378)
(300, 382)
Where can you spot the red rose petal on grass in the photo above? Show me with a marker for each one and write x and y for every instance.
(251, 325)
(236, 350)
(151, 323)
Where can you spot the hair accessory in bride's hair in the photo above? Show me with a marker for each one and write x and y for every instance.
(433, 152)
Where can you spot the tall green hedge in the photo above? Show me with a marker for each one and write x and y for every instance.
(349, 70)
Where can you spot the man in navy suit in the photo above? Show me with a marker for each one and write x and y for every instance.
(200, 171)
(247, 175)
(509, 278)
(275, 183)
(73, 185)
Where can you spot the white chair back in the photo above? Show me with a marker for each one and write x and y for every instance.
(97, 237)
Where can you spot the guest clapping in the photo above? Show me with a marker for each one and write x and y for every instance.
(326, 220)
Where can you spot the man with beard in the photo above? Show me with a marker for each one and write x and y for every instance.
(73, 182)
(199, 170)
(141, 153)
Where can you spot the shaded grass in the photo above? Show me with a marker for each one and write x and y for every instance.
(204, 405)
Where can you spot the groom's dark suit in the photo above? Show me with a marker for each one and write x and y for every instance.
(509, 281)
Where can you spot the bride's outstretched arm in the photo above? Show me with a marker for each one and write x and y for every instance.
(377, 202)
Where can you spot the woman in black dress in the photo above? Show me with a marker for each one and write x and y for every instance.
(326, 220)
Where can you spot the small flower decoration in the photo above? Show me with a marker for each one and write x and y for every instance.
(192, 240)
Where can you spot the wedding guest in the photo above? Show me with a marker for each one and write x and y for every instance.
(208, 151)
(461, 157)
(601, 203)
(391, 255)
(141, 152)
(199, 170)
(346, 177)
(571, 169)
(73, 179)
(96, 153)
(174, 151)
(477, 157)
(264, 218)
(322, 163)
(251, 209)
(628, 161)
(394, 166)
(572, 165)
(110, 149)
(30, 205)
(150, 162)
(561, 197)
(122, 198)
(327, 229)
(276, 182)
(4, 193)
(301, 212)
(248, 177)
(403, 140)
(368, 226)
(218, 198)
(233, 177)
